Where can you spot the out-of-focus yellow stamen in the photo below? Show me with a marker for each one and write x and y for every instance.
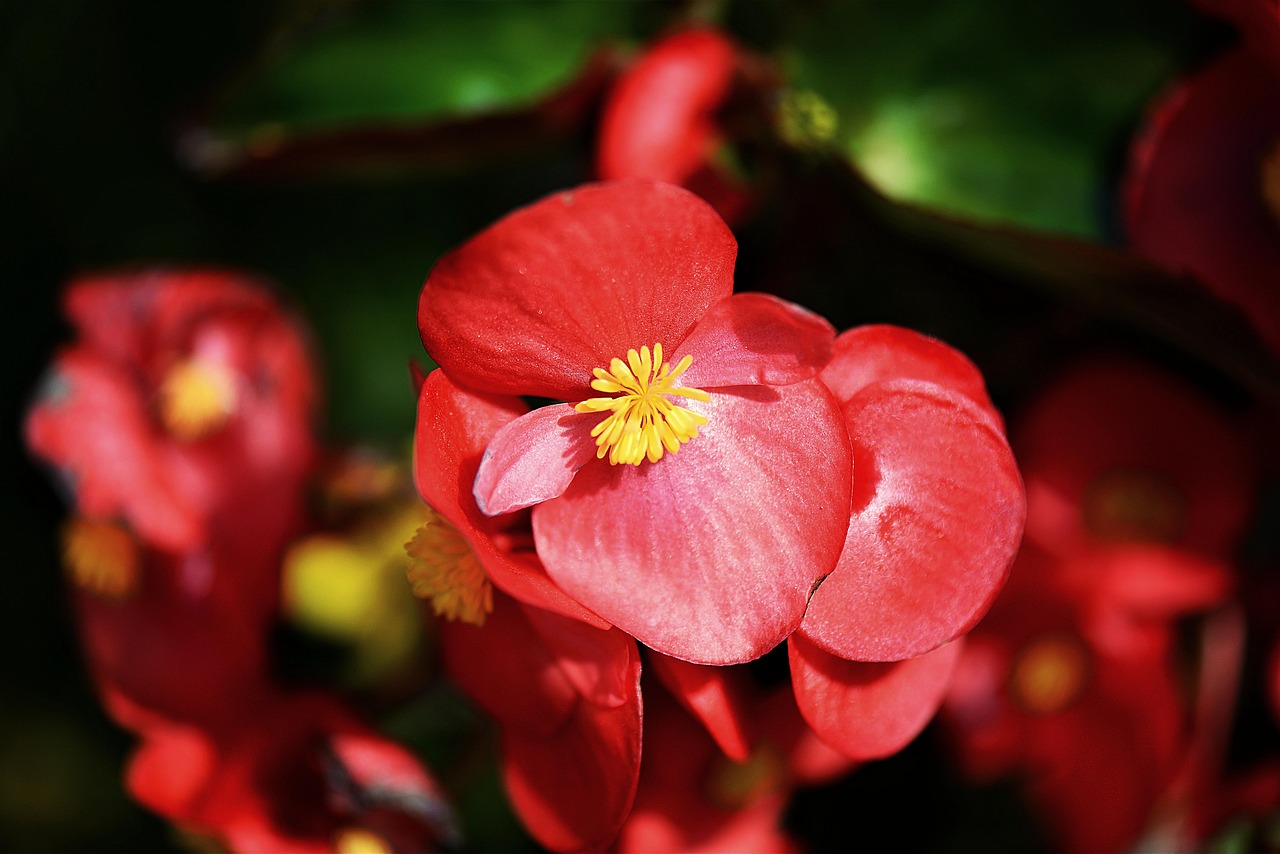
(101, 557)
(196, 397)
(357, 840)
(734, 785)
(642, 422)
(1126, 505)
(806, 120)
(1049, 674)
(444, 570)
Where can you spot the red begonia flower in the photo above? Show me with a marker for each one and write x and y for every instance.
(692, 798)
(938, 504)
(301, 774)
(1096, 735)
(1203, 192)
(1120, 452)
(185, 405)
(659, 120)
(729, 499)
(566, 696)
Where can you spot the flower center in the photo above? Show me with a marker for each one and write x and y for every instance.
(196, 397)
(101, 557)
(1048, 674)
(642, 423)
(734, 785)
(444, 570)
(357, 840)
(1271, 181)
(1134, 505)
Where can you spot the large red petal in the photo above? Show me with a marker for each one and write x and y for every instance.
(533, 458)
(537, 301)
(871, 354)
(709, 554)
(869, 710)
(938, 515)
(754, 339)
(454, 425)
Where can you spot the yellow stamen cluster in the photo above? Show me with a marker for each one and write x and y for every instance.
(101, 557)
(196, 397)
(444, 571)
(1132, 504)
(1049, 674)
(357, 840)
(642, 422)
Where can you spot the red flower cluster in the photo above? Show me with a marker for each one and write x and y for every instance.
(180, 423)
(723, 474)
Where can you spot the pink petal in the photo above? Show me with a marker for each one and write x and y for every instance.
(869, 710)
(533, 458)
(537, 301)
(938, 515)
(713, 695)
(871, 354)
(755, 339)
(453, 428)
(709, 554)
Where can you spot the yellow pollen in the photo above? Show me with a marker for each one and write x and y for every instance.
(101, 557)
(642, 422)
(357, 840)
(444, 570)
(196, 397)
(1125, 505)
(1271, 181)
(1049, 674)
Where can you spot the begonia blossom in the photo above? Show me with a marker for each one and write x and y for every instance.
(695, 485)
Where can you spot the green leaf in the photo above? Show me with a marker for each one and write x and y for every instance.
(997, 109)
(390, 62)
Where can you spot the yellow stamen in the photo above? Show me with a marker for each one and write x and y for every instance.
(101, 557)
(1049, 674)
(443, 569)
(196, 397)
(806, 120)
(734, 785)
(642, 423)
(1125, 505)
(357, 840)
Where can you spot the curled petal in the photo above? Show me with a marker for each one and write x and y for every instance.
(869, 710)
(713, 695)
(533, 458)
(540, 299)
(756, 339)
(938, 515)
(709, 554)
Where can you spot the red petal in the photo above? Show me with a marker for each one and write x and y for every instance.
(537, 301)
(1194, 200)
(533, 458)
(938, 514)
(600, 664)
(507, 669)
(713, 695)
(574, 789)
(871, 354)
(453, 428)
(869, 710)
(755, 339)
(709, 554)
(658, 121)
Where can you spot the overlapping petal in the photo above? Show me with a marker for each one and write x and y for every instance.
(537, 301)
(713, 695)
(534, 458)
(938, 510)
(711, 552)
(869, 710)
